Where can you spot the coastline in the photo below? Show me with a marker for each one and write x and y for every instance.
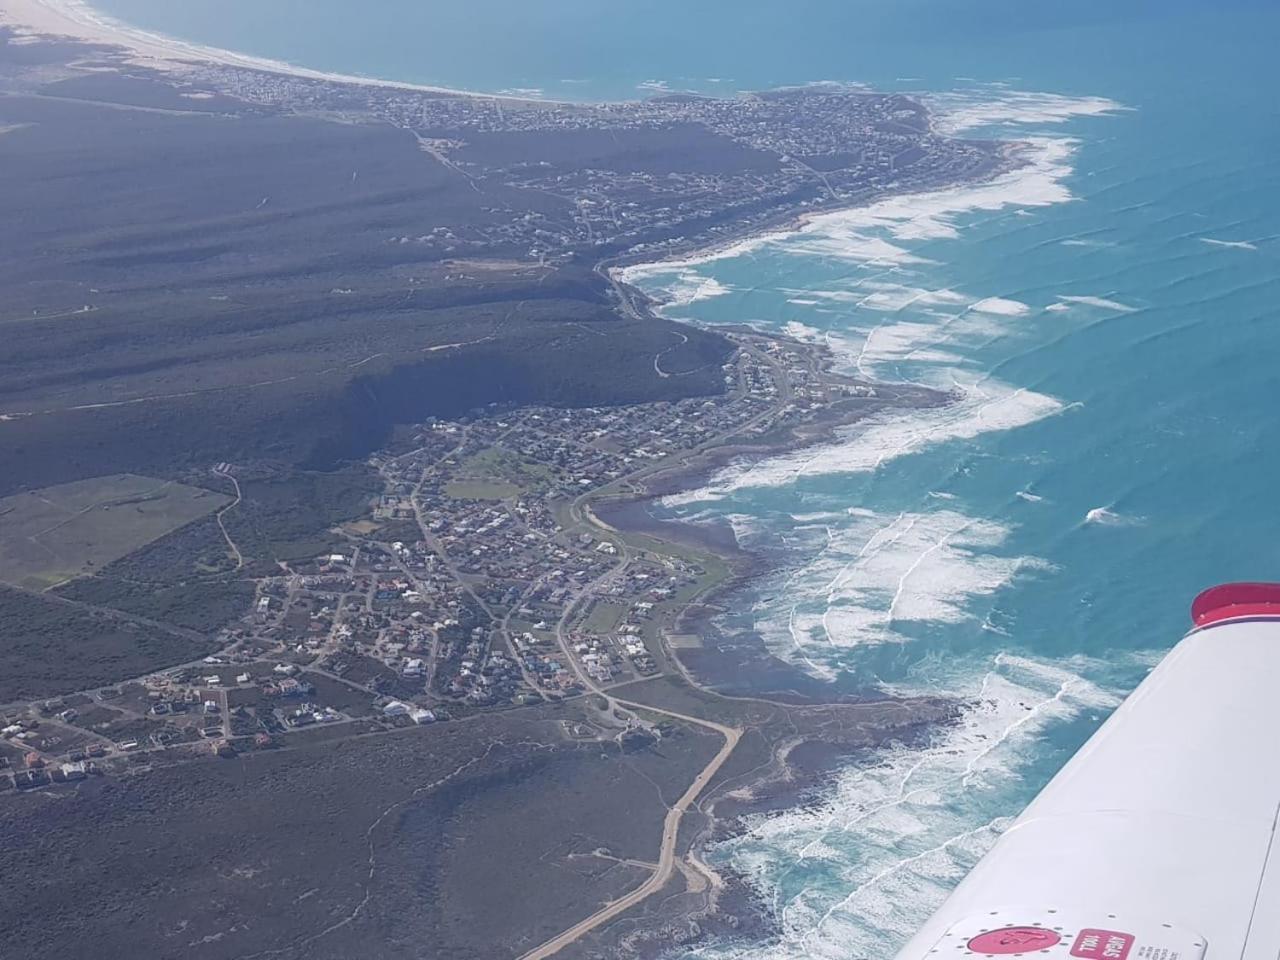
(794, 752)
(750, 666)
(78, 20)
(805, 729)
(744, 667)
(623, 270)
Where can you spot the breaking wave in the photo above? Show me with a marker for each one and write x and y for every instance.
(1102, 303)
(979, 407)
(876, 573)
(967, 110)
(1230, 244)
(904, 589)
(690, 287)
(1001, 307)
(1106, 517)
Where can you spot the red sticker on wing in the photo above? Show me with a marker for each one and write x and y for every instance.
(1102, 945)
(1010, 940)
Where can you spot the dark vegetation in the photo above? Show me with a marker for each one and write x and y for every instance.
(196, 550)
(189, 282)
(233, 287)
(203, 605)
(189, 578)
(480, 835)
(49, 647)
(288, 517)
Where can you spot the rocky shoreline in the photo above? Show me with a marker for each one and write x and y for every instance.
(805, 766)
(741, 664)
(799, 766)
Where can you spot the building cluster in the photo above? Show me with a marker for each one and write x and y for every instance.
(483, 580)
(690, 170)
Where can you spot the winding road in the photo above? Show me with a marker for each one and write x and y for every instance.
(670, 834)
(223, 471)
(668, 860)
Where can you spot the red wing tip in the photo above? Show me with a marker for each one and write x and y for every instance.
(1232, 601)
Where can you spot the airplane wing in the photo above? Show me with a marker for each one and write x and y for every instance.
(1157, 840)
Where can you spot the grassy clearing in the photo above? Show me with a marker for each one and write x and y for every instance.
(499, 465)
(604, 617)
(51, 535)
(481, 490)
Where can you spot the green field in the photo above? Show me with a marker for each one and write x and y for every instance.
(481, 490)
(51, 535)
(498, 474)
(604, 617)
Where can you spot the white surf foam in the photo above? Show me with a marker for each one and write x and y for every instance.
(801, 331)
(981, 406)
(848, 244)
(822, 516)
(744, 525)
(856, 234)
(933, 341)
(524, 93)
(971, 109)
(1230, 244)
(1106, 517)
(876, 234)
(875, 574)
(889, 297)
(690, 287)
(1102, 303)
(891, 342)
(860, 871)
(1085, 242)
(1001, 307)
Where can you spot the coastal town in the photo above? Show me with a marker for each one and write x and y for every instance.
(461, 519)
(380, 561)
(347, 585)
(640, 178)
(481, 578)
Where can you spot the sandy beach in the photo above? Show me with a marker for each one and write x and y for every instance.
(78, 20)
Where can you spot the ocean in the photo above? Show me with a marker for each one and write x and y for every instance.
(1108, 315)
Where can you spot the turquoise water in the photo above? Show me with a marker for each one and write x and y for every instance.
(1109, 316)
